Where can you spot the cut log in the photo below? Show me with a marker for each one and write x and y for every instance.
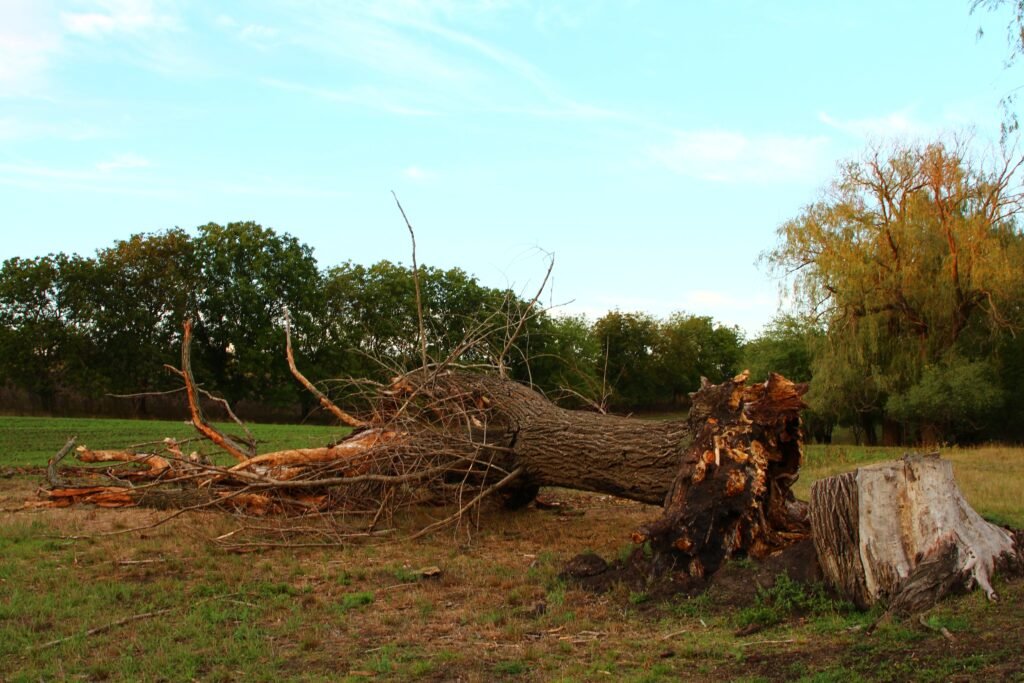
(901, 533)
(156, 465)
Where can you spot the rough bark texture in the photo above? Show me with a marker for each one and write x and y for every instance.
(901, 532)
(626, 457)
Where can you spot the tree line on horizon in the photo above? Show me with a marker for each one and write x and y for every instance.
(908, 297)
(74, 326)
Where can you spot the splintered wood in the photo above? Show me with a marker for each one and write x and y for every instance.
(732, 492)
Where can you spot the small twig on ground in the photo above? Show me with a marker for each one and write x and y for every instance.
(127, 620)
(938, 629)
(462, 510)
(768, 642)
(676, 633)
(105, 627)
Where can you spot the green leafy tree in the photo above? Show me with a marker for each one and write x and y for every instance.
(44, 347)
(956, 399)
(141, 291)
(911, 260)
(566, 360)
(371, 319)
(630, 342)
(786, 345)
(247, 275)
(690, 347)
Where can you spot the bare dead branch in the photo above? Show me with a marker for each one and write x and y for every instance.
(250, 440)
(226, 443)
(525, 316)
(416, 283)
(325, 402)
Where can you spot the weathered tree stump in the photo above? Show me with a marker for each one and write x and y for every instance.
(901, 533)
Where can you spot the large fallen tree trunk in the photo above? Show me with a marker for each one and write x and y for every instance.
(724, 474)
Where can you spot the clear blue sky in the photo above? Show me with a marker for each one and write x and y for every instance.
(654, 147)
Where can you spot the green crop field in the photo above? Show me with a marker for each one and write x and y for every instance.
(31, 441)
(134, 594)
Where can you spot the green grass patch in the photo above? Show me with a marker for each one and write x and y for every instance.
(787, 599)
(351, 601)
(32, 441)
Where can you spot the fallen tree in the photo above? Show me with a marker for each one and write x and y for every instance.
(443, 434)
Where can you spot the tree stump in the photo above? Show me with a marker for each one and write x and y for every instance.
(901, 533)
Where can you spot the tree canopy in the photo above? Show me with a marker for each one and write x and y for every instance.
(73, 327)
(911, 262)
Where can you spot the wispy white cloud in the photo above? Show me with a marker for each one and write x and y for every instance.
(118, 16)
(432, 48)
(555, 15)
(730, 156)
(62, 179)
(894, 124)
(28, 43)
(418, 174)
(277, 187)
(257, 33)
(122, 161)
(34, 36)
(12, 128)
(364, 96)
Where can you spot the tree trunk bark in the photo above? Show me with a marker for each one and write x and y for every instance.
(723, 475)
(622, 456)
(900, 532)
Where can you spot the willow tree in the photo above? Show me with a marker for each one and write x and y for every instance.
(912, 259)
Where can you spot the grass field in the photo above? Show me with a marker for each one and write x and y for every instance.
(31, 441)
(167, 603)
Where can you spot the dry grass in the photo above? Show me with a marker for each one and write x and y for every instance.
(991, 477)
(364, 611)
(497, 611)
